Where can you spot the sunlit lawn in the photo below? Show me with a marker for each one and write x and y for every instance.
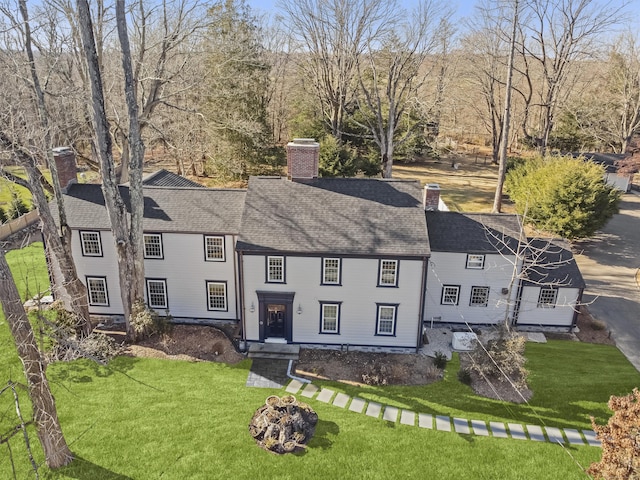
(150, 418)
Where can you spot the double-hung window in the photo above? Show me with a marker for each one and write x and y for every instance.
(217, 296)
(548, 298)
(214, 248)
(388, 273)
(329, 317)
(157, 293)
(153, 245)
(91, 244)
(475, 262)
(275, 269)
(97, 291)
(386, 319)
(331, 271)
(450, 294)
(479, 296)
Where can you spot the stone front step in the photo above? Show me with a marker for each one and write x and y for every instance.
(275, 351)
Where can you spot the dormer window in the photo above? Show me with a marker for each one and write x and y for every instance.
(475, 262)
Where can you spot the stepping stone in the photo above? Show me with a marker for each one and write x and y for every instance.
(310, 390)
(408, 418)
(443, 423)
(390, 414)
(498, 430)
(325, 395)
(554, 434)
(517, 431)
(294, 386)
(425, 420)
(341, 400)
(357, 405)
(373, 409)
(461, 425)
(535, 433)
(479, 428)
(590, 436)
(573, 436)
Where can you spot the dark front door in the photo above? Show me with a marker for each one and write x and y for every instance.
(276, 315)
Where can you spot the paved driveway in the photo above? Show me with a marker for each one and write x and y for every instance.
(609, 263)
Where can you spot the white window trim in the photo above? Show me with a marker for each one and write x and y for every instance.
(395, 273)
(323, 329)
(226, 302)
(486, 302)
(444, 289)
(475, 262)
(82, 240)
(159, 236)
(393, 321)
(163, 282)
(338, 273)
(206, 248)
(542, 304)
(282, 267)
(90, 291)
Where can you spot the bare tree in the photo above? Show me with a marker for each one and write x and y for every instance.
(54, 445)
(392, 73)
(333, 34)
(559, 34)
(27, 144)
(127, 235)
(506, 118)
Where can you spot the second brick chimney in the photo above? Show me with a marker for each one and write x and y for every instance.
(303, 155)
(65, 160)
(431, 197)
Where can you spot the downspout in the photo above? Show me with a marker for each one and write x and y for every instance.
(423, 293)
(241, 298)
(293, 377)
(516, 307)
(576, 311)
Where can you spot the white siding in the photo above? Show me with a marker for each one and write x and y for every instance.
(358, 295)
(450, 269)
(560, 316)
(184, 268)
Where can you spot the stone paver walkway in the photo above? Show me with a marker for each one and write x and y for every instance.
(443, 423)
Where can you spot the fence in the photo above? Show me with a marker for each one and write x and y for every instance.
(18, 224)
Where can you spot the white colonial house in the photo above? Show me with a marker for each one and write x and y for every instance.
(326, 262)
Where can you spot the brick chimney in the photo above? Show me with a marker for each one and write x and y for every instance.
(431, 197)
(65, 160)
(302, 158)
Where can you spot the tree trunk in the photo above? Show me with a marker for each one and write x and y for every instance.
(59, 246)
(506, 119)
(136, 161)
(116, 207)
(56, 451)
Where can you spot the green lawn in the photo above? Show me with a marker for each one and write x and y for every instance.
(150, 418)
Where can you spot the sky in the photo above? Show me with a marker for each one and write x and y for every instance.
(465, 8)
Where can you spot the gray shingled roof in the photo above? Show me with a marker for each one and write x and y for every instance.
(551, 263)
(164, 178)
(345, 216)
(166, 209)
(472, 232)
